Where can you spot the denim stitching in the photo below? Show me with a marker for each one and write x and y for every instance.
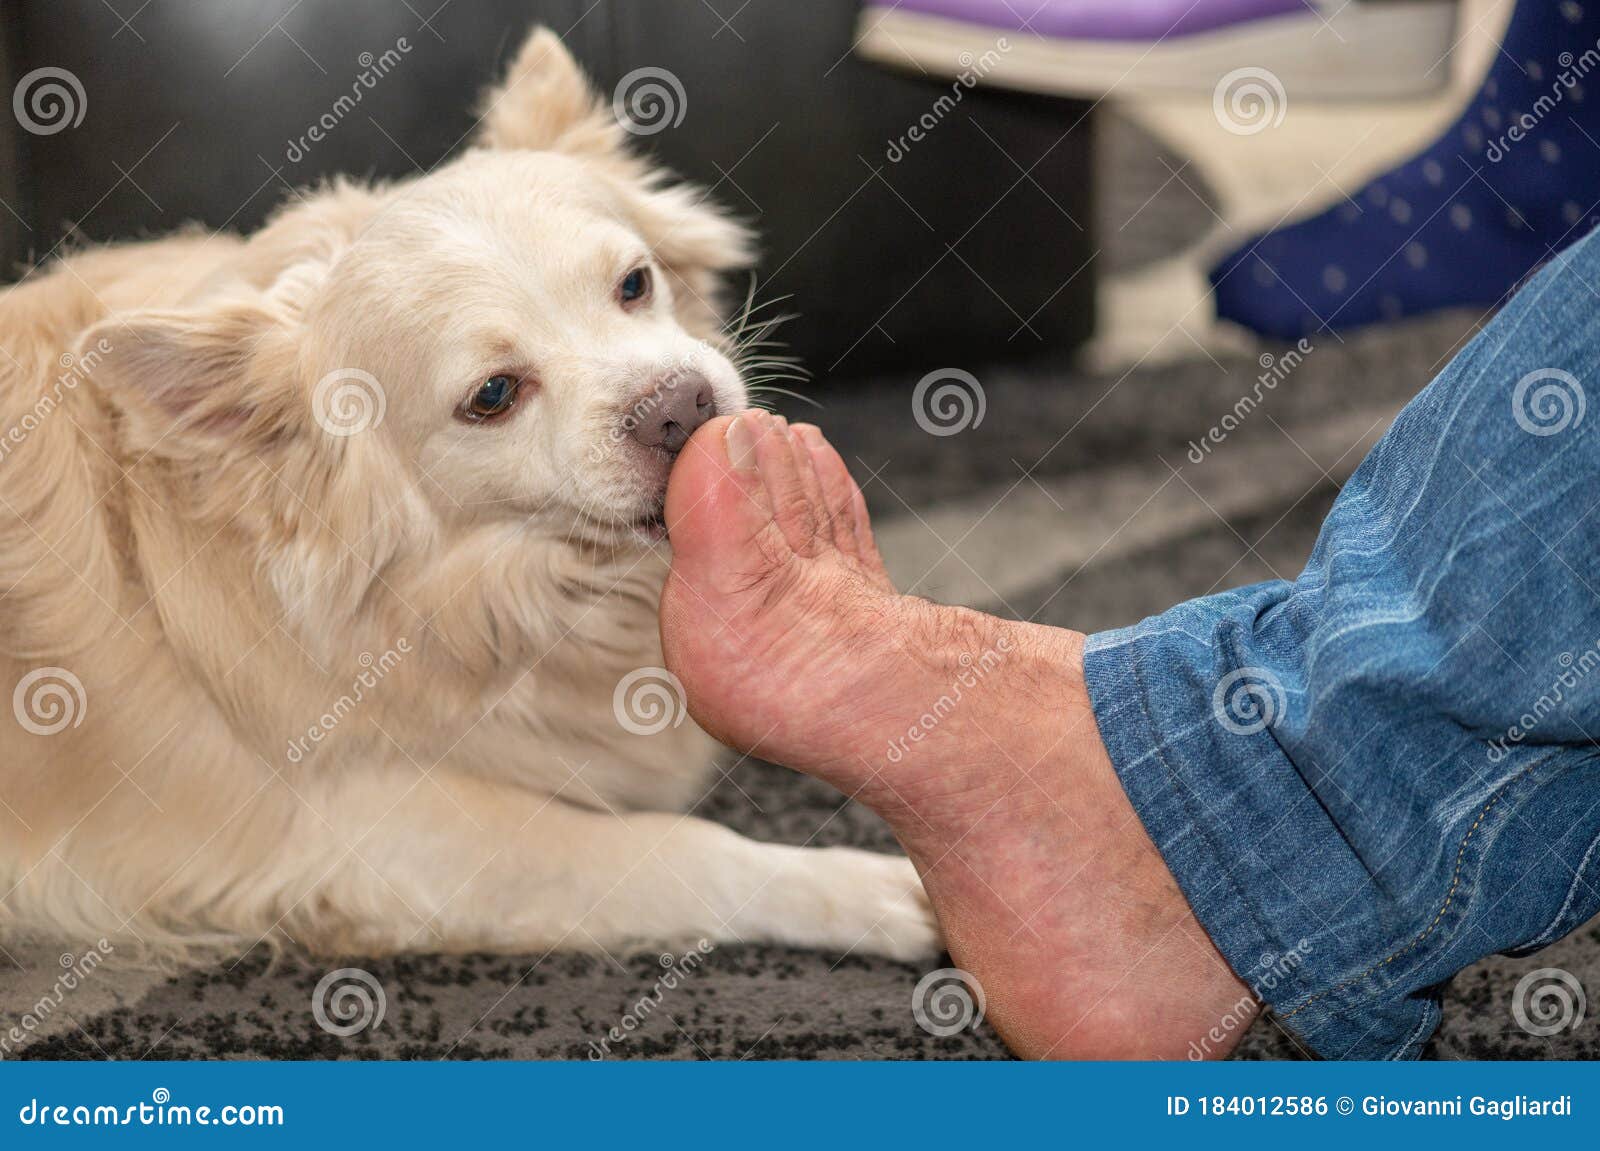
(1455, 882)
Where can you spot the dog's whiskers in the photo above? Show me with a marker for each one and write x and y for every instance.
(760, 367)
(770, 375)
(741, 319)
(768, 390)
(580, 517)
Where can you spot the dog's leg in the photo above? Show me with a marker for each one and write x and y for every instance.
(464, 863)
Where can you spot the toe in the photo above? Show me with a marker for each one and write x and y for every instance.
(719, 513)
(832, 490)
(791, 499)
(871, 559)
(812, 483)
(852, 525)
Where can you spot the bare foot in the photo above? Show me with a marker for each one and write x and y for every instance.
(973, 737)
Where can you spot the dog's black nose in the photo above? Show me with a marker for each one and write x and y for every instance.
(667, 415)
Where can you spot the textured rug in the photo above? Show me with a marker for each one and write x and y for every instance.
(1079, 500)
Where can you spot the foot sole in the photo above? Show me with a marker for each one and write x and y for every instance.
(1360, 52)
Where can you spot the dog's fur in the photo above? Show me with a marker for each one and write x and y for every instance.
(450, 606)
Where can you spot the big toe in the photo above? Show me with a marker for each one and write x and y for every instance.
(732, 488)
(732, 599)
(744, 499)
(716, 502)
(701, 481)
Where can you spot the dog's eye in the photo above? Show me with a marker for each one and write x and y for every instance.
(494, 397)
(635, 286)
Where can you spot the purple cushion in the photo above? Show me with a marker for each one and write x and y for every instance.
(1100, 19)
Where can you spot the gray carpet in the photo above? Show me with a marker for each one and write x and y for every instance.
(1096, 533)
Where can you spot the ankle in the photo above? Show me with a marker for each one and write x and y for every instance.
(1032, 699)
(992, 699)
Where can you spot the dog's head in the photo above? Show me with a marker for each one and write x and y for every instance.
(520, 340)
(539, 313)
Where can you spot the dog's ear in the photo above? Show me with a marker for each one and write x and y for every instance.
(183, 377)
(546, 103)
(222, 393)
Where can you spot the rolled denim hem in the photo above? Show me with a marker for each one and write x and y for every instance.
(1189, 781)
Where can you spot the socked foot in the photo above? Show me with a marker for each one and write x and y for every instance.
(971, 735)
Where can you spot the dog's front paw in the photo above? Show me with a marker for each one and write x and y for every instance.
(882, 903)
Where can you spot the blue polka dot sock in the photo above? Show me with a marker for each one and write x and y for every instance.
(1512, 182)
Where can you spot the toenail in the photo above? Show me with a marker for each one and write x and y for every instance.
(741, 439)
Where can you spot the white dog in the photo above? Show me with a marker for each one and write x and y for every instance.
(329, 563)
